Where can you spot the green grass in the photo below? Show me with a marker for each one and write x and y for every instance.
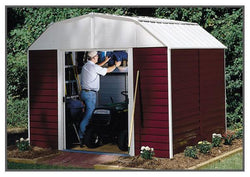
(21, 166)
(234, 162)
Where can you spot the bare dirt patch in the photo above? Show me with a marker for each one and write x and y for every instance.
(178, 162)
(32, 153)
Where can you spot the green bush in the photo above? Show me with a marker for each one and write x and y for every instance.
(239, 133)
(216, 140)
(17, 76)
(204, 147)
(191, 151)
(228, 137)
(17, 113)
(147, 152)
(23, 144)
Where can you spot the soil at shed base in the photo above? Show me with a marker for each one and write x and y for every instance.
(178, 162)
(33, 152)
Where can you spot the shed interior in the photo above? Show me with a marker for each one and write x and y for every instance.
(108, 127)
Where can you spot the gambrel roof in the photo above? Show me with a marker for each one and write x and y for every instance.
(103, 31)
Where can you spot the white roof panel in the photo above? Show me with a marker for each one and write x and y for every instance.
(110, 31)
(183, 35)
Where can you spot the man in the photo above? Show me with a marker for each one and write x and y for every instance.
(90, 82)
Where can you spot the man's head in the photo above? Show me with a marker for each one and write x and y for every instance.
(93, 56)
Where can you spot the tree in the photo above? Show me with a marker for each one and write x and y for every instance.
(225, 24)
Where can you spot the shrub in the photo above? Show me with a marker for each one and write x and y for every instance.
(239, 133)
(228, 137)
(147, 152)
(204, 146)
(23, 144)
(216, 139)
(17, 113)
(17, 76)
(191, 151)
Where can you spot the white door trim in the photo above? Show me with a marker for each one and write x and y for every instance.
(61, 91)
(61, 104)
(170, 105)
(130, 98)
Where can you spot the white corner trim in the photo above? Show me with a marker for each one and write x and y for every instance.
(28, 79)
(225, 89)
(130, 96)
(170, 127)
(60, 82)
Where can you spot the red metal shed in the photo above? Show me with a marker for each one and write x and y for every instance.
(181, 95)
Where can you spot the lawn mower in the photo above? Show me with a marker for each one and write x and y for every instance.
(109, 124)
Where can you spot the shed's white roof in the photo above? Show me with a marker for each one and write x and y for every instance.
(103, 31)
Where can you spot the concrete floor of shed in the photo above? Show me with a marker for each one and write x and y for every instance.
(108, 148)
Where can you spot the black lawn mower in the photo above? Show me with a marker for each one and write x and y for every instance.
(109, 124)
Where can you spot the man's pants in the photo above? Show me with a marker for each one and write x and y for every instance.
(89, 98)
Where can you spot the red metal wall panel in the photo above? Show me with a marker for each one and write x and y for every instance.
(151, 111)
(212, 88)
(43, 98)
(198, 95)
(185, 98)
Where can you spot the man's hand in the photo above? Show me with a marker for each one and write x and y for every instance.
(118, 63)
(104, 62)
(112, 68)
(107, 59)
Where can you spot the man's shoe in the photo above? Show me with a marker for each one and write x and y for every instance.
(81, 142)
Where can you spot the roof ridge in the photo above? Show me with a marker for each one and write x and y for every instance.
(133, 18)
(146, 19)
(167, 21)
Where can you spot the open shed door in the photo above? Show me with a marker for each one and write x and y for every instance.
(43, 110)
(151, 111)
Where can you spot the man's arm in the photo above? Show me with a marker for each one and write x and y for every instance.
(112, 68)
(104, 62)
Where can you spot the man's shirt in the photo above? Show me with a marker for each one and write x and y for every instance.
(90, 76)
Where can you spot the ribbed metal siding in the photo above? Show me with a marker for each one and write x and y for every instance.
(151, 110)
(212, 88)
(43, 98)
(198, 95)
(185, 98)
(182, 36)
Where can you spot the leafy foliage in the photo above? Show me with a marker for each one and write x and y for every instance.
(17, 76)
(216, 141)
(17, 114)
(228, 137)
(191, 151)
(23, 144)
(239, 133)
(225, 24)
(147, 152)
(25, 25)
(204, 146)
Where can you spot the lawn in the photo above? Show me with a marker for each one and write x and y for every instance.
(21, 166)
(234, 162)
